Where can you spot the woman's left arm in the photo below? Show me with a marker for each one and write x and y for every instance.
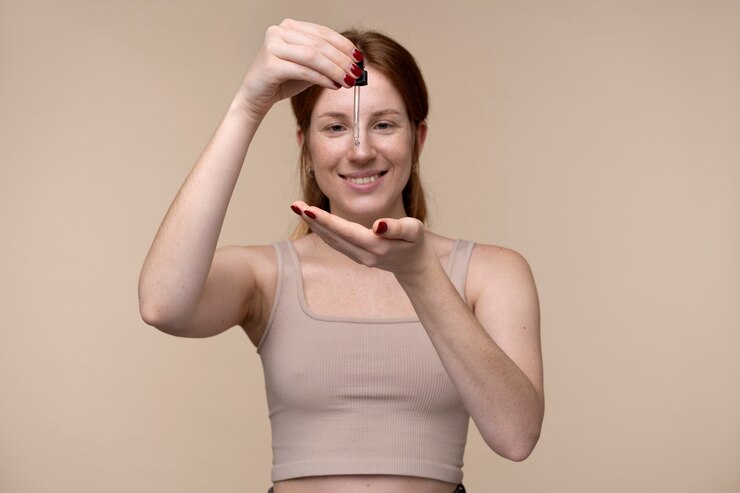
(492, 353)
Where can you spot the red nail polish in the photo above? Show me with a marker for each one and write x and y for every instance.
(349, 80)
(337, 85)
(310, 214)
(296, 209)
(357, 55)
(382, 228)
(356, 71)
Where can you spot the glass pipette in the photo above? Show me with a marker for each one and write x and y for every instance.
(361, 81)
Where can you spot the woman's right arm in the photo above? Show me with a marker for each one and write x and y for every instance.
(187, 287)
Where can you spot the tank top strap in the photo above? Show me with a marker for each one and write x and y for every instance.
(458, 264)
(289, 272)
(285, 260)
(286, 288)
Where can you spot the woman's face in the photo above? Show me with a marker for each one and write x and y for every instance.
(365, 182)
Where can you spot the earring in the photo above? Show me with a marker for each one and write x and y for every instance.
(309, 172)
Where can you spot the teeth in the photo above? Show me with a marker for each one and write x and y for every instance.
(365, 180)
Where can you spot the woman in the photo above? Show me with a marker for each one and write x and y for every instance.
(379, 338)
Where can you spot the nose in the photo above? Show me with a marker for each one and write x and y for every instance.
(363, 153)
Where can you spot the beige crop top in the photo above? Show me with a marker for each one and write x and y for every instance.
(358, 396)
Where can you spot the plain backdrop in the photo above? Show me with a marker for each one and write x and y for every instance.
(600, 139)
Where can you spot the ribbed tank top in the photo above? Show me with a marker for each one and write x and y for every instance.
(358, 396)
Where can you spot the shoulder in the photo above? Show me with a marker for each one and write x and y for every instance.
(491, 267)
(497, 272)
(485, 260)
(442, 245)
(494, 256)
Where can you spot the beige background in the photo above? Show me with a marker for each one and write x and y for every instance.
(601, 139)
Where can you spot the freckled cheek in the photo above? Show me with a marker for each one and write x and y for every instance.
(397, 151)
(327, 152)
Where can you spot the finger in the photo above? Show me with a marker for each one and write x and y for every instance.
(315, 53)
(353, 239)
(405, 228)
(341, 43)
(299, 63)
(331, 238)
(304, 63)
(351, 232)
(354, 252)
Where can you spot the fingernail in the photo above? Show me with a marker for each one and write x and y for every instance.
(337, 85)
(310, 214)
(382, 228)
(296, 209)
(349, 80)
(357, 55)
(356, 71)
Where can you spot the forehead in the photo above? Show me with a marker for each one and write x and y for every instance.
(379, 94)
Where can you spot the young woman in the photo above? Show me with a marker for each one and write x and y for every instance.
(379, 338)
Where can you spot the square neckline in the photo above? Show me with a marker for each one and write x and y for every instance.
(361, 320)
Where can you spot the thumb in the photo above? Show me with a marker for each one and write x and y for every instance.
(406, 228)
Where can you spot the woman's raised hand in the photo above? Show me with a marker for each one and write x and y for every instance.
(295, 55)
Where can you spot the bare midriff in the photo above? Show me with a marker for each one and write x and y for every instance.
(363, 484)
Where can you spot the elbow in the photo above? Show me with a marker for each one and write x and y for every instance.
(524, 437)
(515, 445)
(158, 317)
(522, 450)
(150, 315)
(175, 322)
(157, 312)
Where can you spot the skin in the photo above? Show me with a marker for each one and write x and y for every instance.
(489, 344)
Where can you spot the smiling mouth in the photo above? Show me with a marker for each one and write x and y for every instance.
(365, 179)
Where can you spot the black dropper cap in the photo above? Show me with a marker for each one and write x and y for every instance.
(361, 80)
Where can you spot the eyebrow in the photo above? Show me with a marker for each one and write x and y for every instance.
(339, 114)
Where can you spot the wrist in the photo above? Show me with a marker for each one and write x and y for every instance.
(421, 273)
(243, 105)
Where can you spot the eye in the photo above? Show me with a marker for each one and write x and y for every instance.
(384, 125)
(334, 128)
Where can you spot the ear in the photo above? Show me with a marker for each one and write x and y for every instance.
(421, 135)
(299, 136)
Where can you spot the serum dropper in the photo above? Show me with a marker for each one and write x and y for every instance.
(361, 81)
